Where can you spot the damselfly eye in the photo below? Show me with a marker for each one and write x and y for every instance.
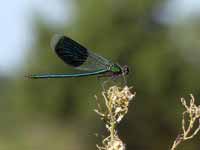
(125, 70)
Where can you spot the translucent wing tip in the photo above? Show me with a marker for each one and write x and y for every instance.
(55, 39)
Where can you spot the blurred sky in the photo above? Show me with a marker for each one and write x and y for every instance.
(17, 32)
(174, 11)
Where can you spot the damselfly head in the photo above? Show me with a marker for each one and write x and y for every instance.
(125, 70)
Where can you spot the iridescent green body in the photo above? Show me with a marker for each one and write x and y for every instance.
(115, 68)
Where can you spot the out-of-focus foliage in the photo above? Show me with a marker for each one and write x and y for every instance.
(58, 114)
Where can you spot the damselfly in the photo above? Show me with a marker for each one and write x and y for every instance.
(79, 57)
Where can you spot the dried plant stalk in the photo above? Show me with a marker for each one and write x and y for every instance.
(116, 101)
(190, 116)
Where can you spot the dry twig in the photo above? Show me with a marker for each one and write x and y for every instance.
(190, 116)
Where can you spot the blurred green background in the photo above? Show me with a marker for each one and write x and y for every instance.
(57, 114)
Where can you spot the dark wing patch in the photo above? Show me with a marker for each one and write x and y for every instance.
(70, 51)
